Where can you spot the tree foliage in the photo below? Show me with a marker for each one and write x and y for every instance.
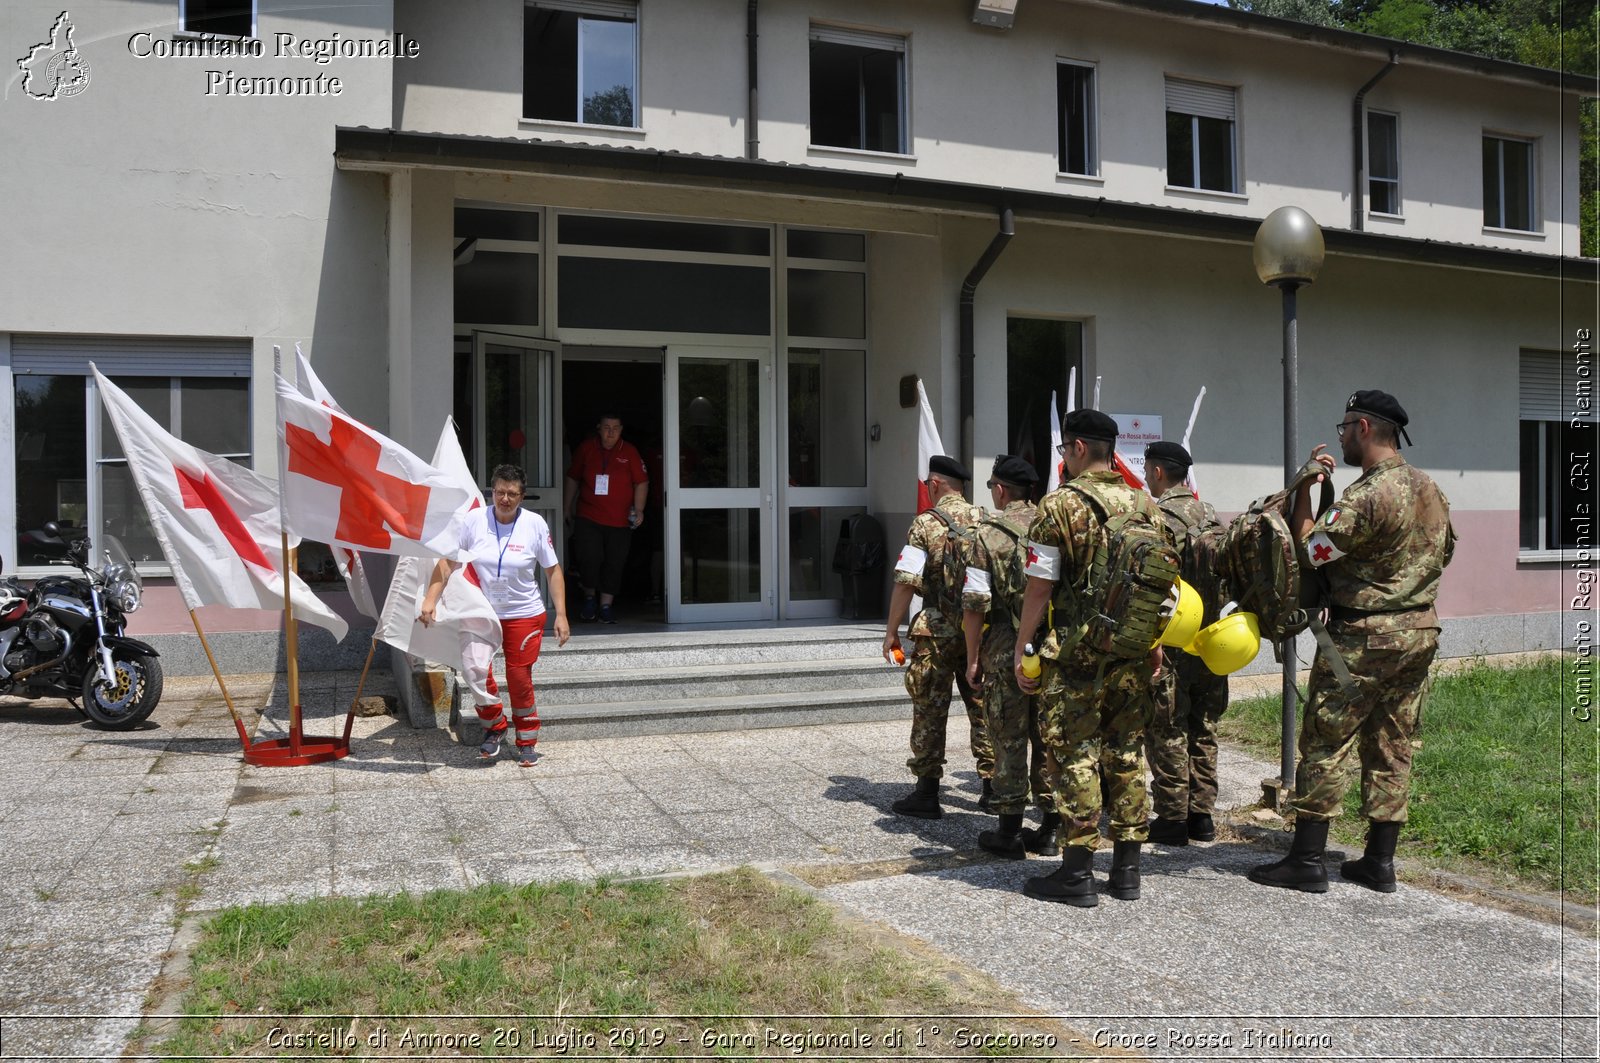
(1554, 34)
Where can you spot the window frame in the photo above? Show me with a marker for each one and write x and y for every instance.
(1091, 132)
(1543, 380)
(580, 8)
(1535, 222)
(1236, 183)
(1372, 178)
(898, 44)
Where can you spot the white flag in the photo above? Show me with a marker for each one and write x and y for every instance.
(1054, 480)
(348, 485)
(465, 622)
(217, 522)
(347, 560)
(928, 445)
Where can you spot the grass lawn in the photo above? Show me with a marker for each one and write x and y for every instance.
(694, 966)
(1504, 780)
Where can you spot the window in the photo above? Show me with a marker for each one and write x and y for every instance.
(1040, 358)
(68, 465)
(1508, 183)
(580, 62)
(1556, 451)
(1076, 149)
(858, 90)
(1383, 162)
(225, 18)
(1200, 136)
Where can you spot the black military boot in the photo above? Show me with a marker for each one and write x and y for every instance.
(923, 802)
(1302, 869)
(1169, 832)
(1046, 839)
(986, 799)
(1072, 883)
(1201, 827)
(1007, 841)
(1375, 870)
(1124, 881)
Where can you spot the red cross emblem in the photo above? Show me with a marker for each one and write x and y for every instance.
(1321, 552)
(1033, 556)
(204, 494)
(369, 499)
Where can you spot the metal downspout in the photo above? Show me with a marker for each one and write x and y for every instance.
(752, 140)
(969, 291)
(1359, 144)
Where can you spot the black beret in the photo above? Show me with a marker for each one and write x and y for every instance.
(1382, 405)
(1089, 424)
(1170, 452)
(1008, 468)
(948, 467)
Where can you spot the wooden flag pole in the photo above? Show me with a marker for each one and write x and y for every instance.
(244, 737)
(361, 684)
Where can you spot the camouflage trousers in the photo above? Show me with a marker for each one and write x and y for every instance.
(1181, 741)
(1095, 730)
(1020, 764)
(1382, 718)
(933, 665)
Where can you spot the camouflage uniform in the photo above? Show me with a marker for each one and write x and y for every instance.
(995, 587)
(1092, 708)
(1189, 699)
(1381, 548)
(940, 654)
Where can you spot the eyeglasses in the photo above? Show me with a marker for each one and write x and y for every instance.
(1343, 425)
(990, 485)
(514, 494)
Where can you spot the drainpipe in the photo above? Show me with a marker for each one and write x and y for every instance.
(969, 291)
(751, 140)
(1359, 144)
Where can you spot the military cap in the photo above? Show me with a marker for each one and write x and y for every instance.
(1089, 424)
(1010, 469)
(1382, 405)
(948, 467)
(1169, 452)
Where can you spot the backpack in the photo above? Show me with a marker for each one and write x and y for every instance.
(1260, 564)
(952, 567)
(1015, 580)
(1130, 578)
(1200, 556)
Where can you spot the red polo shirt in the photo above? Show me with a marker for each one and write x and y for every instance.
(623, 468)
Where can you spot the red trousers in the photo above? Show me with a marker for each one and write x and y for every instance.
(521, 639)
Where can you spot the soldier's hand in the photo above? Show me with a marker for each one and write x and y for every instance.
(891, 649)
(1026, 685)
(1320, 455)
(974, 676)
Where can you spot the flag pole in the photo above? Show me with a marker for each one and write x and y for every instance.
(361, 684)
(290, 642)
(244, 737)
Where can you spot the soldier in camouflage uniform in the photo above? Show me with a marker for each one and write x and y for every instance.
(940, 653)
(1381, 548)
(1181, 742)
(1092, 708)
(992, 595)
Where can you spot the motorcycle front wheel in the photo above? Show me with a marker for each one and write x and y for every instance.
(129, 697)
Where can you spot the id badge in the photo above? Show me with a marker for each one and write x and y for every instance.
(497, 592)
(602, 483)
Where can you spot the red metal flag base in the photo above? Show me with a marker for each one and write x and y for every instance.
(286, 753)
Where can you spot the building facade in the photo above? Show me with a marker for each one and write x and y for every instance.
(745, 227)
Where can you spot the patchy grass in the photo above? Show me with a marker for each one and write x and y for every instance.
(1504, 780)
(727, 964)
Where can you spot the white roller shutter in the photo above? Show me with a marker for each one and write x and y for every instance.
(129, 355)
(624, 9)
(1544, 396)
(885, 42)
(1201, 98)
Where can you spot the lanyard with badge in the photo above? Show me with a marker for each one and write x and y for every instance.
(498, 591)
(602, 479)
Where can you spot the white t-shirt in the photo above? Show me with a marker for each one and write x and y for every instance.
(507, 559)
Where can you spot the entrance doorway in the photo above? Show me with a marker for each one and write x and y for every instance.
(625, 381)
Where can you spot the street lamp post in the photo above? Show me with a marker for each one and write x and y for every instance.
(1288, 252)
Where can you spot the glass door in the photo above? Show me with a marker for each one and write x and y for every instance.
(719, 498)
(515, 383)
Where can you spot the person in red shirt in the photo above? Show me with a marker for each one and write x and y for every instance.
(609, 483)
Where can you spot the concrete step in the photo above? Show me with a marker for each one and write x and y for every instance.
(605, 682)
(723, 713)
(591, 652)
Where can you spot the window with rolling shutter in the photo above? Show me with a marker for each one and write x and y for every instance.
(1556, 434)
(580, 61)
(1202, 149)
(858, 90)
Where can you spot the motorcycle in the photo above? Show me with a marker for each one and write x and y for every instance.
(63, 637)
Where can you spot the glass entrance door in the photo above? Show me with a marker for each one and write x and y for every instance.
(719, 499)
(514, 386)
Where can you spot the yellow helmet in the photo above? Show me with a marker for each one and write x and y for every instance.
(1183, 610)
(1229, 644)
